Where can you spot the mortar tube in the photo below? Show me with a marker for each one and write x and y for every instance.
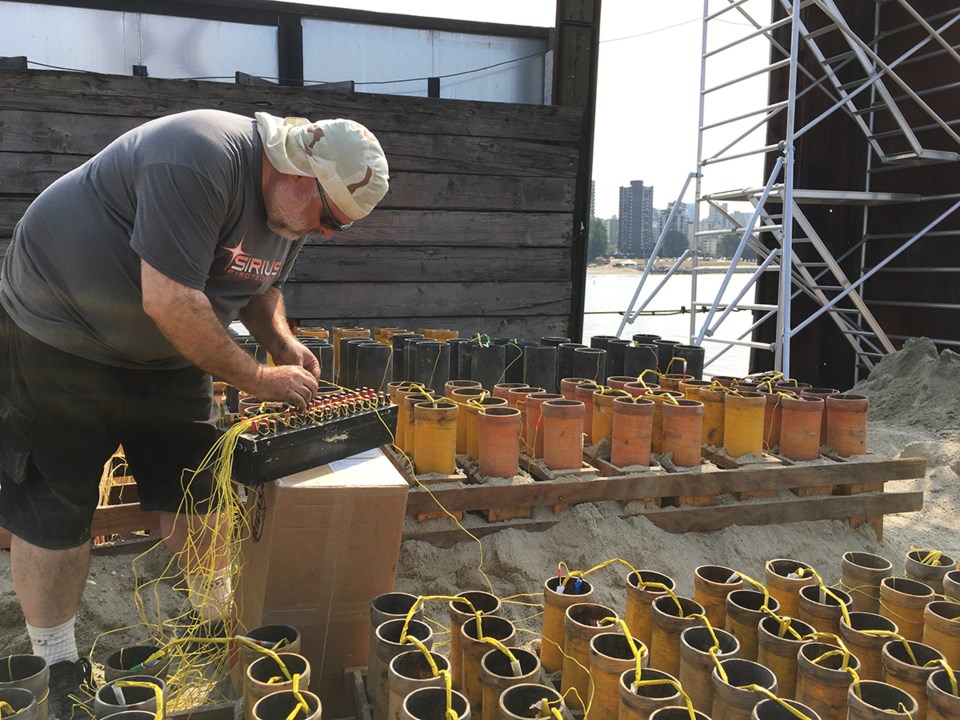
(941, 629)
(29, 672)
(823, 685)
(111, 698)
(411, 671)
(668, 621)
(779, 652)
(659, 398)
(639, 358)
(694, 356)
(617, 382)
(496, 675)
(730, 701)
(847, 424)
(942, 703)
(630, 433)
(665, 350)
(517, 398)
(616, 351)
(641, 702)
(347, 370)
(783, 581)
(900, 670)
(431, 704)
(487, 364)
(540, 367)
(436, 437)
(120, 664)
(431, 364)
(374, 365)
(601, 424)
(711, 585)
(728, 381)
(640, 597)
(384, 607)
(286, 705)
(474, 648)
(565, 352)
(880, 701)
(502, 390)
(465, 360)
(404, 438)
(951, 585)
(691, 388)
(770, 709)
(636, 389)
(581, 622)
(323, 352)
(903, 601)
(682, 428)
(388, 635)
(568, 387)
(473, 409)
(516, 702)
(451, 385)
(675, 712)
(671, 381)
(744, 613)
(800, 420)
(260, 678)
(644, 338)
(22, 702)
(462, 397)
(697, 664)
(821, 393)
(772, 418)
(915, 569)
(822, 609)
(441, 334)
(460, 612)
(555, 604)
(554, 340)
(498, 445)
(610, 656)
(563, 434)
(743, 424)
(513, 359)
(533, 435)
(455, 344)
(590, 363)
(867, 648)
(712, 428)
(860, 576)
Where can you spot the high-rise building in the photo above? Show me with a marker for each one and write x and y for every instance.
(593, 199)
(636, 236)
(613, 228)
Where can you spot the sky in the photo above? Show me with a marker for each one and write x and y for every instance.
(647, 89)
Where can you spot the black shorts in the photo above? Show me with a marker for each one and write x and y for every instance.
(62, 417)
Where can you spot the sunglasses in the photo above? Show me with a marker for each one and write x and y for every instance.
(327, 220)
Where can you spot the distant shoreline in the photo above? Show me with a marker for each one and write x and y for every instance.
(662, 269)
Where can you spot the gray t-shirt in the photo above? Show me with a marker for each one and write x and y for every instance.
(183, 193)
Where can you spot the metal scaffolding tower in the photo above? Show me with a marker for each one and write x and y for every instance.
(849, 68)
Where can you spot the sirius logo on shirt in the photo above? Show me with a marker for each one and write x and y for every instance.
(246, 266)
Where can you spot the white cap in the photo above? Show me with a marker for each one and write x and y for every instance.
(342, 154)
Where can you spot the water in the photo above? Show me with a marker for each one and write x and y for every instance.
(608, 295)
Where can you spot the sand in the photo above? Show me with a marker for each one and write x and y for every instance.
(915, 411)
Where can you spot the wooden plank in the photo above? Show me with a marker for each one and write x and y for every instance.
(776, 512)
(666, 485)
(527, 326)
(453, 228)
(447, 191)
(705, 519)
(76, 134)
(30, 173)
(462, 264)
(84, 93)
(419, 299)
(112, 519)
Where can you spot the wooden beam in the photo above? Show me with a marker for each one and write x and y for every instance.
(111, 520)
(632, 487)
(704, 519)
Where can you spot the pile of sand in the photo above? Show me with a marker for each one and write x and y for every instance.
(915, 408)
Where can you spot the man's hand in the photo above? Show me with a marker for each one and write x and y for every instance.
(295, 353)
(285, 383)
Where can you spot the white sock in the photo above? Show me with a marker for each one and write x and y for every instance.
(210, 595)
(55, 644)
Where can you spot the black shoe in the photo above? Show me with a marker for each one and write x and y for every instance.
(66, 696)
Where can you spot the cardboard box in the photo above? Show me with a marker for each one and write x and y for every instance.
(329, 543)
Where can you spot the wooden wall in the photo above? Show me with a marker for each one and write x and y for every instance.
(476, 233)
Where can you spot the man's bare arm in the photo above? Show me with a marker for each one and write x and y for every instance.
(265, 317)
